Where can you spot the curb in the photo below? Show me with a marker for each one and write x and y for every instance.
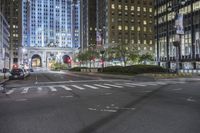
(105, 75)
(140, 77)
(5, 80)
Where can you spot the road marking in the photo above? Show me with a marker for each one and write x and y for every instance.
(101, 86)
(191, 100)
(178, 89)
(10, 92)
(161, 83)
(78, 87)
(39, 88)
(65, 87)
(21, 100)
(108, 110)
(66, 96)
(25, 90)
(52, 88)
(126, 85)
(114, 86)
(92, 87)
(82, 81)
(108, 93)
(136, 84)
(150, 83)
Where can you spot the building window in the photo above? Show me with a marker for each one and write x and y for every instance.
(119, 7)
(113, 6)
(132, 8)
(138, 8)
(119, 27)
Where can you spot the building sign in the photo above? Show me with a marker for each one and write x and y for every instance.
(179, 24)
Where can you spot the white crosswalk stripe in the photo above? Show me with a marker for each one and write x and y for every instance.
(78, 87)
(136, 84)
(39, 88)
(103, 86)
(65, 87)
(161, 83)
(10, 92)
(90, 86)
(117, 86)
(52, 88)
(25, 90)
(127, 85)
(73, 87)
(150, 83)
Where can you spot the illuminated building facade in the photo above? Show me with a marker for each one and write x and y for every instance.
(189, 48)
(49, 24)
(4, 43)
(127, 22)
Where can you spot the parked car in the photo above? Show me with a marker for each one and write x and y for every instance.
(17, 74)
(30, 70)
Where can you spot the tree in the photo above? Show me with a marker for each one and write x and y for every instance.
(90, 55)
(146, 57)
(82, 57)
(134, 57)
(123, 51)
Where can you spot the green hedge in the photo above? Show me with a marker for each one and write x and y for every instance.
(135, 69)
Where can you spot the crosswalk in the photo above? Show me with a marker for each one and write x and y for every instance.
(82, 87)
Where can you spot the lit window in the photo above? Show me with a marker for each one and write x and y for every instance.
(144, 22)
(138, 8)
(132, 8)
(119, 7)
(126, 27)
(132, 27)
(113, 6)
(144, 9)
(138, 28)
(145, 42)
(119, 27)
(126, 7)
(150, 9)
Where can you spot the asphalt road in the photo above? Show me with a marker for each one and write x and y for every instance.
(61, 102)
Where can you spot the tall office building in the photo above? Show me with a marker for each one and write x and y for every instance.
(49, 28)
(76, 23)
(88, 23)
(166, 33)
(11, 11)
(4, 42)
(126, 22)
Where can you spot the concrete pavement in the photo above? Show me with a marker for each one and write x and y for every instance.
(68, 103)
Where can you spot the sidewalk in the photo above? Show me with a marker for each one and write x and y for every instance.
(2, 80)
